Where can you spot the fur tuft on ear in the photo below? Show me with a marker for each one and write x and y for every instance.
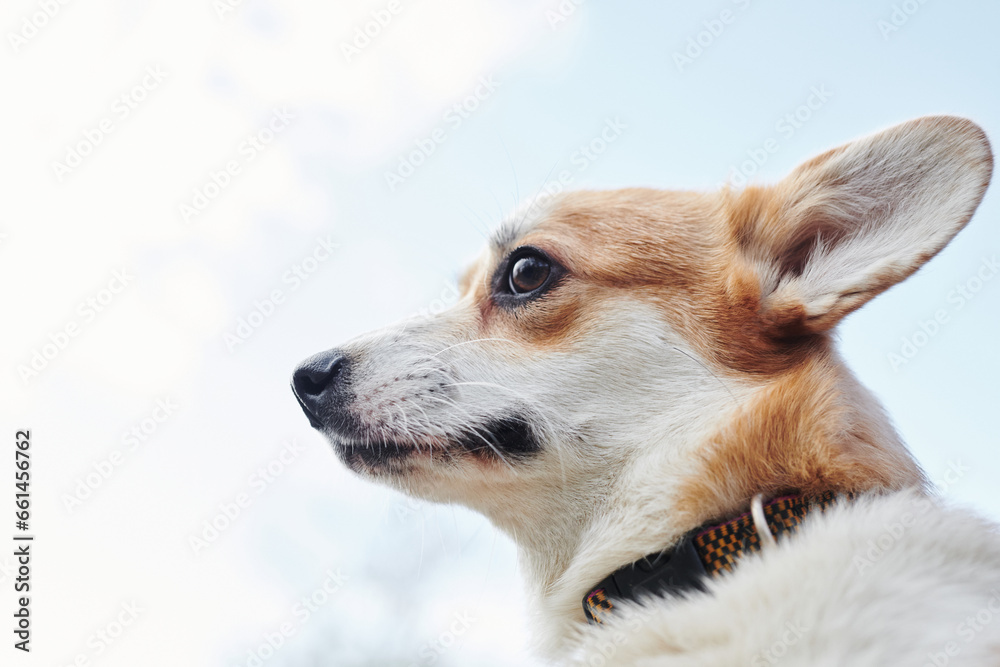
(850, 223)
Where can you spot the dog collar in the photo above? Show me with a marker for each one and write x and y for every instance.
(704, 552)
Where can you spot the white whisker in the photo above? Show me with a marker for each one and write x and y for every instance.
(475, 340)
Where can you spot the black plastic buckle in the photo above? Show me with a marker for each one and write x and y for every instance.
(676, 571)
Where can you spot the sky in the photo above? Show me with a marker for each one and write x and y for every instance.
(197, 196)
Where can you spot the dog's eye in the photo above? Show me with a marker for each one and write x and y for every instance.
(526, 274)
(529, 273)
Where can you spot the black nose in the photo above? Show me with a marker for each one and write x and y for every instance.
(316, 381)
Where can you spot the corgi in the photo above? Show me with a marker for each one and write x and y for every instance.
(641, 388)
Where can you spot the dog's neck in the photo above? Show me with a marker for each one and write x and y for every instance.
(815, 429)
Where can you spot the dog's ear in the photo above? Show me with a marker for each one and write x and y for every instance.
(848, 224)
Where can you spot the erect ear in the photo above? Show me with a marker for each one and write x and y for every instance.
(848, 224)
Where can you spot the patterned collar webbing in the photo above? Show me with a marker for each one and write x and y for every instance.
(705, 552)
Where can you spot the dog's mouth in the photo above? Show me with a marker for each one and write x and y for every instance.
(503, 440)
(386, 455)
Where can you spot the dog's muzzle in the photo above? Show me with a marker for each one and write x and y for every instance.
(318, 384)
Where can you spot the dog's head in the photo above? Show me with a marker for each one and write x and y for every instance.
(649, 358)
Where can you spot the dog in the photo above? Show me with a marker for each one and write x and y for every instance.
(641, 388)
